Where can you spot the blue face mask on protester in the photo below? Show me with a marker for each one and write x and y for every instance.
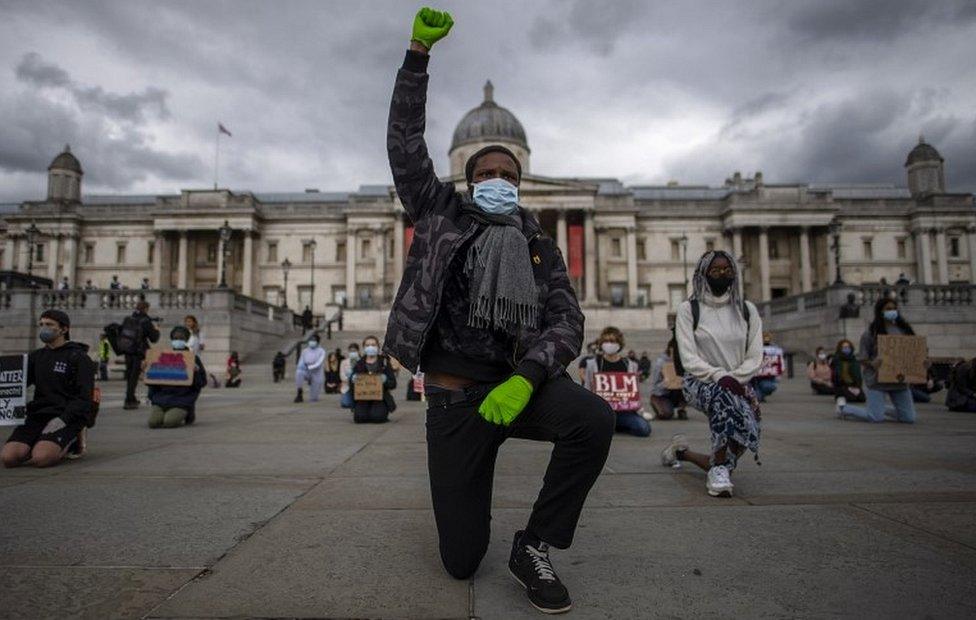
(371, 350)
(313, 344)
(891, 315)
(846, 350)
(178, 344)
(496, 196)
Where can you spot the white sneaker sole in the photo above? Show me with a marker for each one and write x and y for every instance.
(720, 492)
(544, 610)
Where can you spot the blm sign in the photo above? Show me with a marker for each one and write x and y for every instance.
(620, 389)
(13, 389)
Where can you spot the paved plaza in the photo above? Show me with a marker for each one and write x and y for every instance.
(266, 508)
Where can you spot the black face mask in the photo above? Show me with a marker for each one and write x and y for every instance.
(719, 286)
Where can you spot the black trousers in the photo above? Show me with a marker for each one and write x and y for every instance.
(462, 448)
(133, 368)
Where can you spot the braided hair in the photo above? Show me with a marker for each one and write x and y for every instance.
(699, 282)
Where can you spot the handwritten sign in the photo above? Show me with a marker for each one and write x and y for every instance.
(168, 367)
(620, 389)
(13, 390)
(903, 359)
(772, 364)
(671, 379)
(368, 387)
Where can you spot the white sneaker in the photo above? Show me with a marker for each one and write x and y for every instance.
(841, 403)
(718, 483)
(669, 457)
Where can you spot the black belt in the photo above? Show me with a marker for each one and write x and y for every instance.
(446, 398)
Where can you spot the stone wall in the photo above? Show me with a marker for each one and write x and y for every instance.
(229, 321)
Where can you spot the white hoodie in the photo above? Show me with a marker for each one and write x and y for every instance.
(720, 346)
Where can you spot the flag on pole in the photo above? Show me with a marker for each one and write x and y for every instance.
(222, 129)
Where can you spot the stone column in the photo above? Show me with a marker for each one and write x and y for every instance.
(925, 256)
(398, 243)
(631, 267)
(562, 235)
(183, 261)
(831, 260)
(941, 255)
(158, 254)
(589, 248)
(971, 236)
(806, 274)
(737, 254)
(379, 240)
(247, 282)
(52, 258)
(70, 259)
(351, 268)
(764, 262)
(221, 248)
(10, 253)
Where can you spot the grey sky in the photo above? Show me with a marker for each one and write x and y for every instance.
(821, 91)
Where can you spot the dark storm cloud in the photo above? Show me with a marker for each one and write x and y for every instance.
(861, 20)
(598, 25)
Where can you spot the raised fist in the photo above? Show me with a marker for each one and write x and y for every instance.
(430, 26)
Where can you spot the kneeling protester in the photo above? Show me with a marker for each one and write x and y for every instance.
(173, 386)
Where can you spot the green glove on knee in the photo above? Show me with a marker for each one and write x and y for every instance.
(430, 26)
(504, 403)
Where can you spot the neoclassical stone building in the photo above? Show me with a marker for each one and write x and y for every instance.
(626, 246)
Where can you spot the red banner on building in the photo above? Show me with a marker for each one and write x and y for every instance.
(620, 389)
(575, 258)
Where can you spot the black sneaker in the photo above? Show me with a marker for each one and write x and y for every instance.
(298, 397)
(191, 416)
(134, 404)
(530, 566)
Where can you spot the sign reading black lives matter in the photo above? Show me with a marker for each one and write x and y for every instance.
(13, 389)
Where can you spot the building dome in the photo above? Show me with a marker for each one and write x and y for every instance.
(489, 122)
(66, 161)
(923, 151)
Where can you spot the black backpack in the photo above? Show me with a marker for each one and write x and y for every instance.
(679, 368)
(130, 338)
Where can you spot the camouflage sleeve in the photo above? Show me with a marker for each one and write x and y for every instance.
(562, 332)
(413, 170)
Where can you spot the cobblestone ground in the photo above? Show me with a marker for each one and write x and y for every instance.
(266, 508)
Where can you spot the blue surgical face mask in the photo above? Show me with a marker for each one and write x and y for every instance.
(496, 196)
(354, 355)
(47, 334)
(846, 350)
(891, 315)
(178, 344)
(312, 344)
(371, 350)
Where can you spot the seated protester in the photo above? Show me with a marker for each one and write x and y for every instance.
(845, 373)
(767, 381)
(345, 371)
(666, 401)
(372, 363)
(310, 368)
(922, 393)
(63, 377)
(887, 320)
(962, 387)
(611, 341)
(820, 374)
(278, 367)
(332, 380)
(175, 405)
(234, 375)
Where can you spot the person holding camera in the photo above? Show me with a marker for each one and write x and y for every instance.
(137, 333)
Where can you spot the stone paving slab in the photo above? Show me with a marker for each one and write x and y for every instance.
(951, 520)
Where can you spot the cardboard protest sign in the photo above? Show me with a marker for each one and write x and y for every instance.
(168, 367)
(620, 389)
(772, 364)
(671, 379)
(903, 359)
(368, 387)
(13, 390)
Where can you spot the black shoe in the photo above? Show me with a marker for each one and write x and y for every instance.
(191, 417)
(298, 397)
(132, 404)
(530, 566)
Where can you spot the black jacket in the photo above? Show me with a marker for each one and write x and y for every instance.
(64, 382)
(441, 227)
(149, 332)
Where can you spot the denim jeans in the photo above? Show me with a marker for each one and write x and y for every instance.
(632, 423)
(903, 409)
(764, 386)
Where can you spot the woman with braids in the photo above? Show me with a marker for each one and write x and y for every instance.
(887, 320)
(720, 346)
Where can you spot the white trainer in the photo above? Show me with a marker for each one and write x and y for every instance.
(841, 403)
(719, 484)
(670, 454)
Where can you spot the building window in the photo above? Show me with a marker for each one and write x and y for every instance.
(616, 247)
(618, 295)
(304, 297)
(89, 253)
(867, 246)
(272, 252)
(364, 292)
(901, 247)
(341, 255)
(641, 249)
(150, 250)
(709, 245)
(211, 253)
(120, 254)
(307, 251)
(39, 253)
(675, 249)
(365, 249)
(676, 295)
(954, 247)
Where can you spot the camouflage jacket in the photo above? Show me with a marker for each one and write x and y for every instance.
(441, 227)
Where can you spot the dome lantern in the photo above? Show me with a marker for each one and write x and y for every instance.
(64, 177)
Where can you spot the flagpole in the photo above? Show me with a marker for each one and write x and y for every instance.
(217, 156)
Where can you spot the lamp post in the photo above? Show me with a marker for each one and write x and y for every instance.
(684, 258)
(285, 266)
(32, 232)
(311, 296)
(225, 232)
(834, 229)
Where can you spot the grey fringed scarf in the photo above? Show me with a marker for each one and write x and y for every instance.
(503, 292)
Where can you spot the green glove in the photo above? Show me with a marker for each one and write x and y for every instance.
(430, 26)
(505, 402)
